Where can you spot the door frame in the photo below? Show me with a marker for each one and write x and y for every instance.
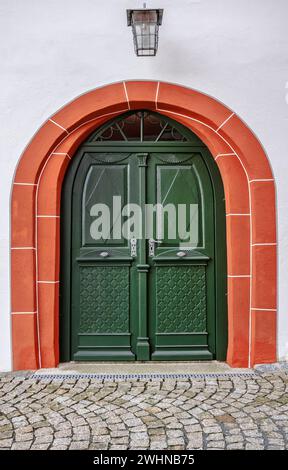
(249, 186)
(194, 144)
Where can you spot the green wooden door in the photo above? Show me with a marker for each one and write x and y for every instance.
(142, 298)
(181, 259)
(103, 275)
(152, 286)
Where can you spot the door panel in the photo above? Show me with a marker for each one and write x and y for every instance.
(181, 299)
(101, 184)
(106, 291)
(178, 185)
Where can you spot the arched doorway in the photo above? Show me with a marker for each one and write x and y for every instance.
(143, 245)
(249, 189)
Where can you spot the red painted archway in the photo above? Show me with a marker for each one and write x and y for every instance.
(250, 210)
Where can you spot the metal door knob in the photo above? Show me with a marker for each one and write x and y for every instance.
(181, 254)
(156, 241)
(104, 254)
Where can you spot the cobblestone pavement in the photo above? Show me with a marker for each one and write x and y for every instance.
(229, 412)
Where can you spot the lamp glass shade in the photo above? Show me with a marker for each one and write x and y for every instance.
(145, 27)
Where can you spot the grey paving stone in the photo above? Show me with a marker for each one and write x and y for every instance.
(237, 445)
(19, 437)
(21, 445)
(207, 413)
(5, 442)
(80, 445)
(40, 446)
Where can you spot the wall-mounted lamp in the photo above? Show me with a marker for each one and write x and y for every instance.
(145, 26)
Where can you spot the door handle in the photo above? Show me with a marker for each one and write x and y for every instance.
(152, 244)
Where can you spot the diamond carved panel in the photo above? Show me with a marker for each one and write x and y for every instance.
(181, 299)
(104, 299)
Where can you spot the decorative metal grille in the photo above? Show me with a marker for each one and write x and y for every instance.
(141, 126)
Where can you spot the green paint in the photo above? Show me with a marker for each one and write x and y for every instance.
(142, 345)
(160, 307)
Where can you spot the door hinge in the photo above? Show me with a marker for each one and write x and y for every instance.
(133, 247)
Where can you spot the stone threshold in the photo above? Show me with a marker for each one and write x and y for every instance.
(142, 370)
(148, 370)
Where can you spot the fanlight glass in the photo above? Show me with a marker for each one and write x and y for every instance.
(140, 126)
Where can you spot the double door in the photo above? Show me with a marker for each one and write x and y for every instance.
(142, 257)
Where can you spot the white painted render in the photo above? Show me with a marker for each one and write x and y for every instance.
(54, 50)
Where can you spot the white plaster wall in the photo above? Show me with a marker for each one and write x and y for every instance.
(54, 50)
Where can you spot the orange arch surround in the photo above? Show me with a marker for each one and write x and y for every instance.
(250, 210)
